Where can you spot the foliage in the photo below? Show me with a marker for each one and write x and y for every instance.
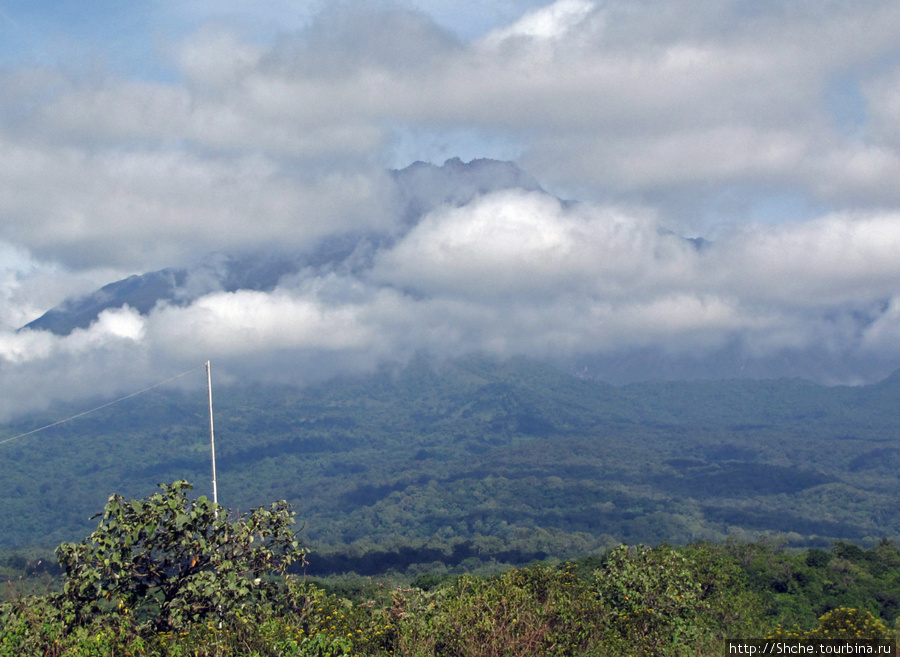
(471, 467)
(328, 622)
(530, 611)
(844, 624)
(799, 587)
(512, 461)
(700, 595)
(175, 560)
(663, 600)
(29, 626)
(851, 624)
(28, 572)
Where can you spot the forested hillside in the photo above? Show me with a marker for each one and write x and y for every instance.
(171, 574)
(472, 460)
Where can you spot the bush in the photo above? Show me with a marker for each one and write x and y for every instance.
(848, 624)
(530, 611)
(174, 561)
(663, 601)
(841, 624)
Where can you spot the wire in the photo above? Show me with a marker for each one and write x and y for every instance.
(115, 401)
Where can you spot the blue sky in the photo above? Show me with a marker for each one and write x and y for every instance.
(137, 136)
(55, 33)
(130, 38)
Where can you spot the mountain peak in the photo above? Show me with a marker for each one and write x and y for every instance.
(421, 187)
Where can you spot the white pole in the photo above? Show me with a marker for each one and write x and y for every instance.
(212, 435)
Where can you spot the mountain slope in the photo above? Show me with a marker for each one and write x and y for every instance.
(468, 449)
(420, 188)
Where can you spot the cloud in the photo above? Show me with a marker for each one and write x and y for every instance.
(29, 286)
(550, 22)
(39, 368)
(248, 322)
(828, 261)
(655, 102)
(146, 210)
(528, 245)
(658, 115)
(512, 272)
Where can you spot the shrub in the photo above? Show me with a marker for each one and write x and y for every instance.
(663, 600)
(851, 624)
(530, 611)
(173, 560)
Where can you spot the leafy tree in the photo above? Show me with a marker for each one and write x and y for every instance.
(538, 610)
(176, 560)
(663, 599)
(841, 624)
(850, 624)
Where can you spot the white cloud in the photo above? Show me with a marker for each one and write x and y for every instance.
(28, 287)
(882, 95)
(217, 59)
(144, 210)
(550, 22)
(829, 261)
(508, 273)
(882, 337)
(630, 99)
(248, 322)
(651, 111)
(527, 245)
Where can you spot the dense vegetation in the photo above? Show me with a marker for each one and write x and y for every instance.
(472, 462)
(171, 576)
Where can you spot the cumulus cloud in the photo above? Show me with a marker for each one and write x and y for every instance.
(514, 272)
(143, 210)
(29, 286)
(550, 22)
(829, 261)
(525, 245)
(643, 101)
(651, 113)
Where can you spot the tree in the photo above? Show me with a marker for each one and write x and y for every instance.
(176, 560)
(663, 599)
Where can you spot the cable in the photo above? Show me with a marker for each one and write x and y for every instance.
(116, 401)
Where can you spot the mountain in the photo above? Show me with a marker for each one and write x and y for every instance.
(514, 457)
(216, 272)
(423, 187)
(140, 292)
(420, 188)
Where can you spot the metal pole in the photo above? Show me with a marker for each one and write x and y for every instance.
(212, 434)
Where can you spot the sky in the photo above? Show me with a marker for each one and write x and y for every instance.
(139, 136)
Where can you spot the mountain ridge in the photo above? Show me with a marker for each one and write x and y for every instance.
(420, 188)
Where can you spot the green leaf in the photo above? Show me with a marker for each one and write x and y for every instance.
(151, 555)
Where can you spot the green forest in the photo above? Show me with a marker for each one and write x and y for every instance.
(472, 507)
(456, 466)
(171, 574)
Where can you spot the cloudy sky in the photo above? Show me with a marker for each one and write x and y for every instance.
(138, 136)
